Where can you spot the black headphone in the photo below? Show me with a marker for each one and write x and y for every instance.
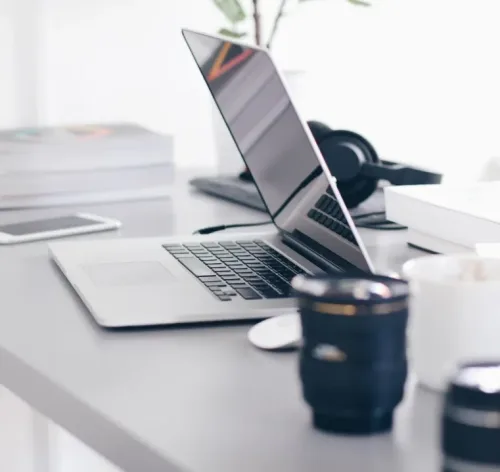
(357, 167)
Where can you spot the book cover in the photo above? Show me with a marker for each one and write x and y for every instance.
(82, 147)
(462, 214)
(83, 163)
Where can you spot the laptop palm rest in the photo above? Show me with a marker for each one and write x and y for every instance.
(116, 274)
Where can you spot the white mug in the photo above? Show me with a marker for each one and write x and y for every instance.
(454, 314)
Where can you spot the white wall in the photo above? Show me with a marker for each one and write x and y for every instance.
(125, 59)
(418, 77)
(7, 101)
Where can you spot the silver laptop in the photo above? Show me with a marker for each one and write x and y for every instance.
(227, 276)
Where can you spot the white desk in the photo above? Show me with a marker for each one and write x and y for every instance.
(197, 399)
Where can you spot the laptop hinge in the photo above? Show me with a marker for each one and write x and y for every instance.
(312, 251)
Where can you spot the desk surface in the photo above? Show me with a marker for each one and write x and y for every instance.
(199, 399)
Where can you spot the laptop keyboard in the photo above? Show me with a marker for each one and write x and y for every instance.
(238, 269)
(328, 213)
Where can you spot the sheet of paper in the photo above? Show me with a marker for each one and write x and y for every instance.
(488, 249)
(477, 199)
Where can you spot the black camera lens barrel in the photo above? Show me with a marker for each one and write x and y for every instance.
(353, 362)
(470, 436)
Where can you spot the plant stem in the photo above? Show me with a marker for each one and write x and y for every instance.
(277, 20)
(256, 22)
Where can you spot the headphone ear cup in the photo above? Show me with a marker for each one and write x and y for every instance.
(319, 130)
(359, 188)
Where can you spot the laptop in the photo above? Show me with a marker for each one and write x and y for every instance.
(228, 276)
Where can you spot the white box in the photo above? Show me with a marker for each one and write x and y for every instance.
(463, 215)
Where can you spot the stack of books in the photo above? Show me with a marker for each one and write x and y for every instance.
(83, 164)
(447, 218)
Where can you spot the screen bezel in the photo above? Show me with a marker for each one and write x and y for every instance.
(332, 181)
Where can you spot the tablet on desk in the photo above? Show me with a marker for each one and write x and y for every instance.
(50, 228)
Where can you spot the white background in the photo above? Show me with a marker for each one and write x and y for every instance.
(419, 78)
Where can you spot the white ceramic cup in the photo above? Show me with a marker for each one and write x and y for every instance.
(454, 314)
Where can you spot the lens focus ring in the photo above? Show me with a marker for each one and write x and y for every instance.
(471, 421)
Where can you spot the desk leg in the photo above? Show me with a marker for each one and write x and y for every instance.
(41, 443)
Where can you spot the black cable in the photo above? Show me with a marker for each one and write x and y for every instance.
(382, 226)
(367, 215)
(309, 179)
(366, 220)
(377, 224)
(214, 229)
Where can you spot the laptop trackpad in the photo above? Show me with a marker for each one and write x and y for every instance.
(113, 274)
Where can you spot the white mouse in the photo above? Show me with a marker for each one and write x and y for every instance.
(278, 332)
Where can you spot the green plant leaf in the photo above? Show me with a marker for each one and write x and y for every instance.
(232, 10)
(230, 33)
(362, 3)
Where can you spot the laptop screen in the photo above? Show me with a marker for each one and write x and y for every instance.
(276, 148)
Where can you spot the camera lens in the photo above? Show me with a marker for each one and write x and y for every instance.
(470, 436)
(353, 363)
